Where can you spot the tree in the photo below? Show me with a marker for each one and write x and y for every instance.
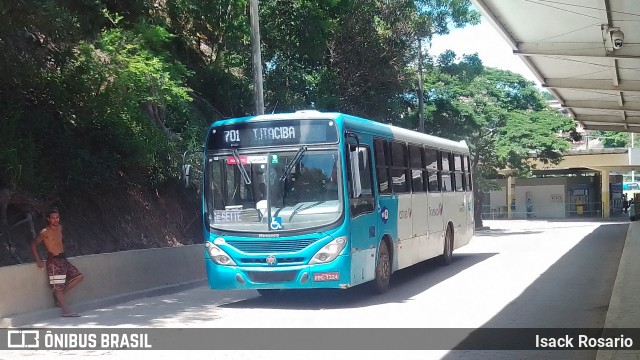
(353, 56)
(613, 139)
(502, 116)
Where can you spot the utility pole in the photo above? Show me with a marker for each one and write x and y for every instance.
(420, 91)
(256, 56)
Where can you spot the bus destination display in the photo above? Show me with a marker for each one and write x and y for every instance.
(273, 133)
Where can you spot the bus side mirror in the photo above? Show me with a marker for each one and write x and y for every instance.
(185, 177)
(352, 141)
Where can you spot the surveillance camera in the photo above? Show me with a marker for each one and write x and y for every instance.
(617, 37)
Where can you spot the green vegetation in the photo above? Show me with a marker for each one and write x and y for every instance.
(502, 116)
(103, 95)
(613, 139)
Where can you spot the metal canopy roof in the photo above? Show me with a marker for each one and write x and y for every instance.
(568, 45)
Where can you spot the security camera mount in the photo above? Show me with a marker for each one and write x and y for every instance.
(613, 38)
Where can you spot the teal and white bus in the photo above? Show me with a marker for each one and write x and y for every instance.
(328, 200)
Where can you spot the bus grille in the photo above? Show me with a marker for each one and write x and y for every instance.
(270, 246)
(290, 260)
(266, 277)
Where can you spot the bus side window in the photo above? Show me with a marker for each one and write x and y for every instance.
(361, 198)
(431, 164)
(445, 171)
(380, 147)
(399, 168)
(417, 168)
(458, 170)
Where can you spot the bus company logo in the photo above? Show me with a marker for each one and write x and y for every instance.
(23, 339)
(384, 214)
(271, 260)
(436, 211)
(268, 235)
(404, 214)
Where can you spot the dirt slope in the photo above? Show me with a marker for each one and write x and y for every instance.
(124, 220)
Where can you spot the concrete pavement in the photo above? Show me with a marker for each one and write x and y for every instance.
(623, 310)
(624, 307)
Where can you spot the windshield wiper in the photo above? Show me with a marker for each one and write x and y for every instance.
(299, 208)
(294, 162)
(243, 171)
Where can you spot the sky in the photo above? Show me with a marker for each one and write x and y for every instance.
(487, 42)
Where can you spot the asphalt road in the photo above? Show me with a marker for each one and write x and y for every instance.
(518, 274)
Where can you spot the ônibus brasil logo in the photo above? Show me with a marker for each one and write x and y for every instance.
(436, 211)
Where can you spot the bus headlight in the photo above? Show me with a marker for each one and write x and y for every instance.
(329, 252)
(218, 255)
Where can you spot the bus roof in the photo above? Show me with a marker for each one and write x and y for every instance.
(394, 132)
(360, 124)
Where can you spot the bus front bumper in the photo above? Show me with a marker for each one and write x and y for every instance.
(335, 274)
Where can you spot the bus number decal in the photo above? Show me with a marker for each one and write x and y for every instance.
(384, 213)
(231, 136)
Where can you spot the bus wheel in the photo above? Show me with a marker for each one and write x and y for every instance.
(269, 293)
(383, 269)
(447, 255)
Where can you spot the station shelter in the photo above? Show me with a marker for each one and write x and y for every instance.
(581, 185)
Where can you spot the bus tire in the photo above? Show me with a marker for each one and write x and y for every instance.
(447, 254)
(269, 293)
(383, 269)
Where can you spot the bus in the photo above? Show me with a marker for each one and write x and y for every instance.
(328, 200)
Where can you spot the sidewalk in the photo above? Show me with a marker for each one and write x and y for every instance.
(624, 307)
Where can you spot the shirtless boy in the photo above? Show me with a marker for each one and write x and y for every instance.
(63, 276)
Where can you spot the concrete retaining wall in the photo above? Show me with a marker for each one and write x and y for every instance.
(24, 288)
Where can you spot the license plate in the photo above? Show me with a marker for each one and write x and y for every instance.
(326, 276)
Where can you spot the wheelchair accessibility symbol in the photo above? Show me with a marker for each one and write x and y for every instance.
(276, 223)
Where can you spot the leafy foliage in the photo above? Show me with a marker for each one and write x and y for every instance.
(502, 116)
(104, 94)
(613, 139)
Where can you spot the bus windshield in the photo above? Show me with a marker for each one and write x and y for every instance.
(273, 191)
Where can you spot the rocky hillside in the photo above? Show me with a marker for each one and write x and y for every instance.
(126, 220)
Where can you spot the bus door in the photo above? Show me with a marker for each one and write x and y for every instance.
(363, 216)
(468, 183)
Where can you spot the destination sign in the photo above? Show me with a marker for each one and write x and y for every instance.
(273, 133)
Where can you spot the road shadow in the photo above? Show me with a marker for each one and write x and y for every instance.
(405, 284)
(504, 232)
(573, 293)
